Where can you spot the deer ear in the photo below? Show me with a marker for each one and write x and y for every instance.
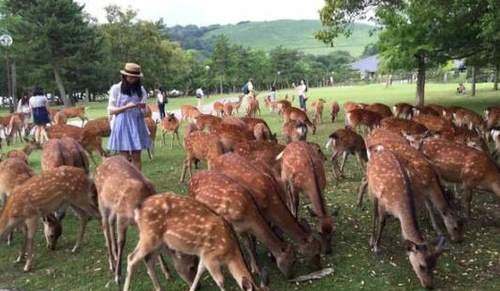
(410, 246)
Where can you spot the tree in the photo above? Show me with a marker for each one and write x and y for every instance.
(53, 34)
(221, 58)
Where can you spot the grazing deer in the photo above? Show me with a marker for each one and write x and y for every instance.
(382, 109)
(63, 152)
(14, 129)
(361, 117)
(230, 134)
(293, 113)
(345, 142)
(403, 110)
(60, 118)
(425, 110)
(228, 109)
(259, 127)
(98, 127)
(253, 107)
(189, 112)
(492, 115)
(43, 194)
(433, 123)
(269, 196)
(232, 201)
(318, 107)
(349, 106)
(23, 153)
(218, 108)
(151, 125)
(302, 170)
(335, 110)
(424, 180)
(121, 188)
(170, 125)
(260, 150)
(187, 226)
(207, 121)
(406, 126)
(294, 131)
(440, 109)
(199, 146)
(282, 105)
(457, 163)
(88, 140)
(392, 193)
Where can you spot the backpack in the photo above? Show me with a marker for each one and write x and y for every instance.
(244, 89)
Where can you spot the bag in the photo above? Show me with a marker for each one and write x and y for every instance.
(245, 90)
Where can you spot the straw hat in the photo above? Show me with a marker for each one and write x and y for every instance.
(131, 69)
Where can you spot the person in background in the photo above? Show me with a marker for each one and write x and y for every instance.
(301, 92)
(461, 88)
(23, 107)
(161, 100)
(273, 93)
(127, 103)
(40, 110)
(199, 95)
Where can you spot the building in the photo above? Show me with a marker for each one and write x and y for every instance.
(367, 67)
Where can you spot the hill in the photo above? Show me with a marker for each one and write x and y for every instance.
(266, 35)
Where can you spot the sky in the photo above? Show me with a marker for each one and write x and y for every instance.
(206, 12)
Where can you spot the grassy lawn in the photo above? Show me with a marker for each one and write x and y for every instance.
(471, 265)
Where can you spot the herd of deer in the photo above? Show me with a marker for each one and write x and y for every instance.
(250, 191)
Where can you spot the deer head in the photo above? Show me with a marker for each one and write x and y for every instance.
(52, 229)
(423, 258)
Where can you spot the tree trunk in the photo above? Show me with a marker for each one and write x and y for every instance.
(420, 79)
(474, 77)
(87, 94)
(60, 87)
(497, 76)
(14, 85)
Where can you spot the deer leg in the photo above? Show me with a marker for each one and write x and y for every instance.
(374, 222)
(344, 157)
(433, 218)
(334, 163)
(178, 139)
(142, 249)
(151, 272)
(22, 252)
(381, 217)
(251, 246)
(361, 162)
(199, 272)
(163, 267)
(84, 219)
(362, 189)
(467, 201)
(184, 167)
(215, 271)
(163, 137)
(121, 231)
(106, 231)
(31, 225)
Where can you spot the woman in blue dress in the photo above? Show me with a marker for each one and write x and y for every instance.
(127, 101)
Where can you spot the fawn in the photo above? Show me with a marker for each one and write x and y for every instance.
(344, 142)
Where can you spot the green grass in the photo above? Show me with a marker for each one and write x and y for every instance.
(471, 265)
(293, 34)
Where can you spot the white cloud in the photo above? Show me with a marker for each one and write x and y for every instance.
(206, 12)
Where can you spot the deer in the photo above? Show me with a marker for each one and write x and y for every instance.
(269, 196)
(41, 195)
(121, 188)
(349, 106)
(98, 127)
(265, 151)
(425, 110)
(189, 112)
(228, 109)
(271, 105)
(293, 113)
(63, 152)
(362, 117)
(218, 108)
(88, 140)
(229, 199)
(460, 164)
(189, 227)
(200, 145)
(282, 105)
(207, 121)
(391, 192)
(403, 110)
(495, 135)
(435, 124)
(302, 170)
(344, 142)
(318, 107)
(23, 153)
(151, 125)
(424, 180)
(77, 111)
(170, 125)
(406, 126)
(440, 109)
(335, 110)
(492, 115)
(294, 131)
(230, 134)
(60, 118)
(253, 107)
(471, 120)
(382, 109)
(237, 104)
(14, 129)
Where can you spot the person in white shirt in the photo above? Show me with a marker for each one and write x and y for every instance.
(301, 92)
(39, 107)
(250, 86)
(161, 100)
(199, 95)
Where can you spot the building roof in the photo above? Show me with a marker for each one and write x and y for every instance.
(368, 65)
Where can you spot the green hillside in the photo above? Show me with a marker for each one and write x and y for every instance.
(294, 34)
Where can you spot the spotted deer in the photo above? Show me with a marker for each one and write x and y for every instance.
(14, 131)
(269, 195)
(207, 121)
(345, 142)
(435, 124)
(391, 192)
(403, 110)
(77, 111)
(318, 107)
(349, 106)
(232, 201)
(22, 153)
(293, 113)
(382, 109)
(457, 163)
(13, 172)
(294, 131)
(199, 146)
(228, 109)
(187, 226)
(423, 178)
(63, 152)
(495, 135)
(253, 107)
(492, 115)
(218, 108)
(189, 112)
(60, 118)
(98, 127)
(406, 126)
(302, 170)
(152, 127)
(43, 194)
(170, 125)
(265, 151)
(230, 134)
(237, 104)
(362, 117)
(425, 110)
(88, 140)
(335, 110)
(282, 105)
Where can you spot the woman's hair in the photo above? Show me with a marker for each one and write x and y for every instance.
(130, 89)
(37, 90)
(25, 100)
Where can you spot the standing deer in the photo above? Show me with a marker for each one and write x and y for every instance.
(151, 125)
(218, 108)
(189, 112)
(335, 110)
(293, 113)
(345, 142)
(392, 193)
(63, 152)
(382, 109)
(294, 131)
(318, 107)
(187, 226)
(302, 170)
(362, 117)
(403, 110)
(170, 124)
(43, 194)
(232, 201)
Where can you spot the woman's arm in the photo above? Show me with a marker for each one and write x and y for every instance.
(113, 109)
